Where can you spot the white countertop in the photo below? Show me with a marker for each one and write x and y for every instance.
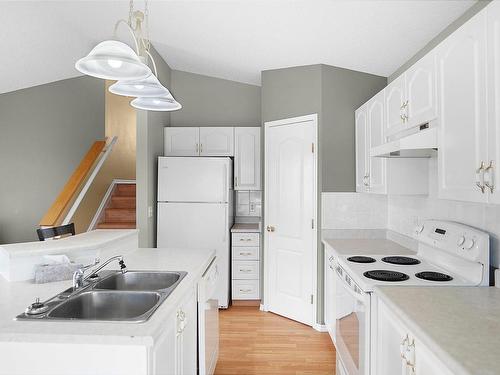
(16, 296)
(460, 325)
(246, 227)
(366, 247)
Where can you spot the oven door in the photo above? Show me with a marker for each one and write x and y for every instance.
(352, 325)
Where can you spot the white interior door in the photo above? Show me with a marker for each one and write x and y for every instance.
(290, 216)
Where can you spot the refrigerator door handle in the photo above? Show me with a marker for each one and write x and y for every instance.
(225, 185)
(225, 223)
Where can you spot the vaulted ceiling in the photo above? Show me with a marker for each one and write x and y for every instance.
(231, 39)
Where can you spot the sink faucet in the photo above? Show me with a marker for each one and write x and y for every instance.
(78, 276)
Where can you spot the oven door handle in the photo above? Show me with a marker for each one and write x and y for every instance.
(358, 297)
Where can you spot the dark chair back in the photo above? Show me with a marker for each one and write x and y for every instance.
(45, 233)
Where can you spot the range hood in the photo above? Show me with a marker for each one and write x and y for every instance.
(422, 144)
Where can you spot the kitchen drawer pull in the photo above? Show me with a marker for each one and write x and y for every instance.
(246, 270)
(245, 253)
(245, 290)
(491, 177)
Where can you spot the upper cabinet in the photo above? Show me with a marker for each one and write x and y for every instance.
(190, 141)
(181, 141)
(410, 100)
(242, 143)
(493, 36)
(247, 158)
(216, 141)
(462, 87)
(379, 175)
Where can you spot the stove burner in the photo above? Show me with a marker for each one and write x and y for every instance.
(406, 261)
(361, 259)
(433, 276)
(386, 275)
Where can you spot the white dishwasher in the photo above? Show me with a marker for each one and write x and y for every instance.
(208, 321)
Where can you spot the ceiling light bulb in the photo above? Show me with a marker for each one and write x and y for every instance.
(139, 87)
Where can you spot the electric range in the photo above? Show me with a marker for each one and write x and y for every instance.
(449, 254)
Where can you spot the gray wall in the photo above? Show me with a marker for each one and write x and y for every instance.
(209, 101)
(440, 37)
(150, 126)
(334, 94)
(44, 133)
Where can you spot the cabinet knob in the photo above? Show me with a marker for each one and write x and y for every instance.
(270, 228)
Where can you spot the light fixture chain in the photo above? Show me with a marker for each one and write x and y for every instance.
(130, 12)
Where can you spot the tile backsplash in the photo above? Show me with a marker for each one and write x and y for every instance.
(402, 213)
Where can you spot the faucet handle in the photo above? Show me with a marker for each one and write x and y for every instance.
(96, 262)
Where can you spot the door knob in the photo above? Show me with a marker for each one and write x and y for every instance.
(270, 228)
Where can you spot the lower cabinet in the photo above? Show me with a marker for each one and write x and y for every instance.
(396, 350)
(175, 353)
(330, 290)
(245, 253)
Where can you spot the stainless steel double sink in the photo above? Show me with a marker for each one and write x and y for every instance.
(132, 296)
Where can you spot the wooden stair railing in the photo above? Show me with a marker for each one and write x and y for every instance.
(58, 209)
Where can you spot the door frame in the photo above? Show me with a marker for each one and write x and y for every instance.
(266, 291)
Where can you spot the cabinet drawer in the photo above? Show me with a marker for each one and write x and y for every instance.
(245, 289)
(246, 269)
(246, 239)
(245, 253)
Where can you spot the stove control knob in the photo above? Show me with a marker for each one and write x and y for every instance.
(460, 241)
(469, 244)
(419, 229)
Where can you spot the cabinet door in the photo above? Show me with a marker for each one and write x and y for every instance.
(394, 99)
(188, 338)
(216, 141)
(164, 351)
(427, 363)
(493, 12)
(361, 144)
(181, 141)
(376, 166)
(461, 61)
(247, 159)
(421, 91)
(330, 317)
(386, 343)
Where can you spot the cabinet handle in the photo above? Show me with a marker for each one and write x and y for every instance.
(480, 177)
(491, 177)
(245, 290)
(245, 270)
(236, 181)
(201, 148)
(404, 105)
(197, 148)
(246, 253)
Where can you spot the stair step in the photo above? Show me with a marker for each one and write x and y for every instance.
(119, 215)
(127, 190)
(111, 225)
(119, 201)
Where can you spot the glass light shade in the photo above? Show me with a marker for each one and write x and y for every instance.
(115, 60)
(148, 87)
(166, 103)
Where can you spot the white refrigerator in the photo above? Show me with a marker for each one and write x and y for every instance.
(195, 209)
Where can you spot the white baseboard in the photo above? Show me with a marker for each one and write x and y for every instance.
(262, 308)
(320, 327)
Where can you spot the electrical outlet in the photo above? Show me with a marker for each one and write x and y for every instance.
(150, 212)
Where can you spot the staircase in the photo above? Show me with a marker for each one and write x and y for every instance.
(120, 211)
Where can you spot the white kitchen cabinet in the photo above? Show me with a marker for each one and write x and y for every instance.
(216, 141)
(462, 101)
(176, 350)
(247, 158)
(245, 266)
(394, 101)
(330, 312)
(381, 175)
(420, 103)
(410, 100)
(375, 129)
(396, 350)
(181, 141)
(493, 36)
(361, 149)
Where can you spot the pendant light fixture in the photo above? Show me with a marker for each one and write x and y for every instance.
(147, 87)
(115, 60)
(166, 103)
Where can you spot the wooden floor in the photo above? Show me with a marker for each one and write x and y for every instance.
(255, 342)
